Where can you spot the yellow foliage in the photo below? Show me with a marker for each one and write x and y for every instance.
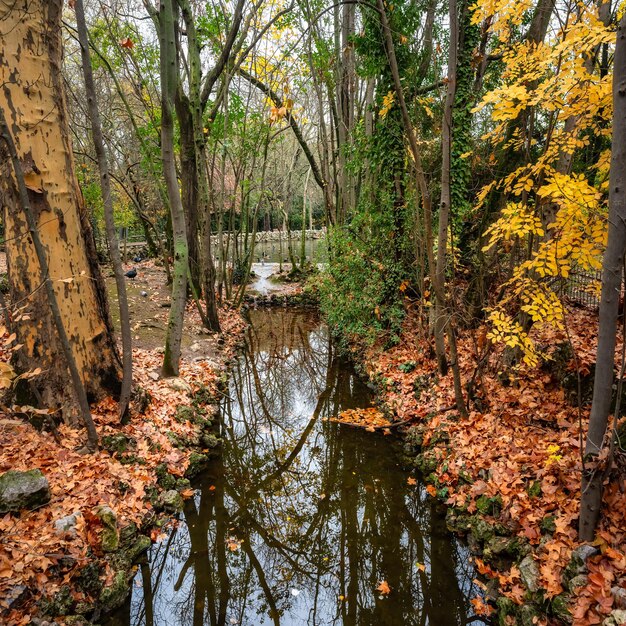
(388, 101)
(561, 218)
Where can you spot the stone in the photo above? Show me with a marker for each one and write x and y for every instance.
(197, 464)
(529, 573)
(15, 596)
(560, 608)
(114, 595)
(619, 597)
(482, 530)
(529, 615)
(171, 501)
(141, 545)
(67, 525)
(578, 581)
(23, 490)
(110, 536)
(578, 561)
(616, 618)
(179, 384)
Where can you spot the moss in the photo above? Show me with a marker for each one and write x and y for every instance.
(559, 607)
(482, 530)
(61, 603)
(142, 544)
(118, 443)
(114, 595)
(197, 464)
(534, 489)
(88, 580)
(427, 462)
(489, 506)
(164, 478)
(548, 524)
(185, 413)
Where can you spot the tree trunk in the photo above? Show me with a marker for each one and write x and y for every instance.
(32, 96)
(169, 78)
(105, 184)
(612, 266)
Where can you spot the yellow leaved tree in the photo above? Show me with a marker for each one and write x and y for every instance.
(554, 218)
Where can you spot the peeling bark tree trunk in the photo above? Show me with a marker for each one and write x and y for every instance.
(612, 264)
(31, 95)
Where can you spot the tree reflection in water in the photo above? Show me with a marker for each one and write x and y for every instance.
(299, 519)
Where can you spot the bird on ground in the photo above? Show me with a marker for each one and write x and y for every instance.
(131, 273)
(138, 259)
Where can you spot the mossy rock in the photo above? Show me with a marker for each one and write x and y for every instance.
(209, 440)
(23, 490)
(88, 580)
(427, 462)
(197, 464)
(185, 413)
(142, 544)
(506, 609)
(171, 501)
(458, 520)
(489, 506)
(110, 540)
(164, 478)
(482, 530)
(559, 608)
(117, 443)
(114, 595)
(61, 603)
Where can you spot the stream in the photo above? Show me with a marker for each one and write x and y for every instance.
(300, 519)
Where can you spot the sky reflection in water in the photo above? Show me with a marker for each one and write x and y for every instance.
(299, 519)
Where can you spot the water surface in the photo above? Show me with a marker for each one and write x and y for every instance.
(300, 519)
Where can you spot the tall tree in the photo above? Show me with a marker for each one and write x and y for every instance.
(32, 97)
(105, 184)
(612, 272)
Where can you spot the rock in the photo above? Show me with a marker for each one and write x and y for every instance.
(141, 545)
(117, 443)
(616, 618)
(15, 596)
(197, 464)
(482, 530)
(110, 537)
(619, 597)
(529, 573)
(67, 525)
(578, 581)
(171, 501)
(114, 595)
(179, 384)
(578, 562)
(23, 490)
(560, 608)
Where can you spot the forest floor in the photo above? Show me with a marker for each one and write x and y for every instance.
(41, 557)
(514, 462)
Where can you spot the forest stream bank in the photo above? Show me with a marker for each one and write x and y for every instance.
(509, 472)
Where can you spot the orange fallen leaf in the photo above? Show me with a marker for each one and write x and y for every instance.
(411, 481)
(431, 490)
(187, 493)
(384, 588)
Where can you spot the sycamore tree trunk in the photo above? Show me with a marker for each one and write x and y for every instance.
(612, 267)
(33, 101)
